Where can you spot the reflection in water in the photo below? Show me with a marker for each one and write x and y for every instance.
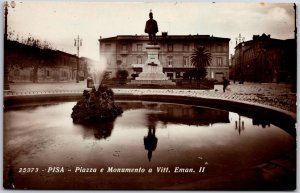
(256, 121)
(192, 115)
(150, 141)
(46, 136)
(181, 114)
(164, 113)
(178, 114)
(100, 130)
(239, 126)
(261, 121)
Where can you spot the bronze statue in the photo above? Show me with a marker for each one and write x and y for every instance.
(151, 28)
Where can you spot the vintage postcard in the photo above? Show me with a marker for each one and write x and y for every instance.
(149, 96)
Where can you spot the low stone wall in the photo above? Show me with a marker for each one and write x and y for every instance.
(155, 82)
(161, 84)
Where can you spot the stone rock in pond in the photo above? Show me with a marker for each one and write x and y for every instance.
(96, 105)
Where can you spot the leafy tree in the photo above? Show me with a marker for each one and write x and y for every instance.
(134, 75)
(201, 58)
(106, 76)
(122, 76)
(29, 52)
(188, 75)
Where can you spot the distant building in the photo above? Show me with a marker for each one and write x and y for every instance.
(87, 66)
(128, 52)
(29, 64)
(264, 59)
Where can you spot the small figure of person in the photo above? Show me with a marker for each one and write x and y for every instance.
(151, 28)
(225, 83)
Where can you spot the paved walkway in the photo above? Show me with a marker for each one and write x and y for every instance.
(270, 94)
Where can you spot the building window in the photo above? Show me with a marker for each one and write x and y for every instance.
(170, 61)
(47, 73)
(107, 75)
(185, 47)
(124, 47)
(108, 61)
(185, 61)
(170, 47)
(219, 48)
(17, 72)
(119, 62)
(123, 60)
(139, 59)
(219, 61)
(170, 75)
(139, 47)
(107, 47)
(199, 46)
(64, 74)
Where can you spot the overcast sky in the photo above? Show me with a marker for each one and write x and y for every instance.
(59, 22)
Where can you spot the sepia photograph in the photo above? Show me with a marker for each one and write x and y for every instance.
(149, 95)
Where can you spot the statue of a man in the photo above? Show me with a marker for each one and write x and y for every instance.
(151, 28)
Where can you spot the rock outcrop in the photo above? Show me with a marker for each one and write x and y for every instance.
(96, 105)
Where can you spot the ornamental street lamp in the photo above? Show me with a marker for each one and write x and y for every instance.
(238, 41)
(78, 43)
(6, 5)
(242, 66)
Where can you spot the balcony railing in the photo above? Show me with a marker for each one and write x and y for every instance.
(124, 52)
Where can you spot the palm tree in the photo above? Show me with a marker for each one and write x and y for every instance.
(200, 59)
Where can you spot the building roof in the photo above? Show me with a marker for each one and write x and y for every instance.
(163, 37)
(262, 38)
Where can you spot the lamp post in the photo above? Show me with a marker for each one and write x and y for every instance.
(6, 82)
(239, 40)
(78, 43)
(242, 65)
(295, 20)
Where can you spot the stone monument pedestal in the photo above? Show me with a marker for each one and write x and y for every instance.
(152, 70)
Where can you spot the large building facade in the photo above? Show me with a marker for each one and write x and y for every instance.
(129, 53)
(264, 59)
(28, 64)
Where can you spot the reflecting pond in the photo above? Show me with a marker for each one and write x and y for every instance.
(156, 136)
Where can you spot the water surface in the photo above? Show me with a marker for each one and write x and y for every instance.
(147, 135)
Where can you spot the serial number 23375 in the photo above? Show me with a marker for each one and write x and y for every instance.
(28, 170)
